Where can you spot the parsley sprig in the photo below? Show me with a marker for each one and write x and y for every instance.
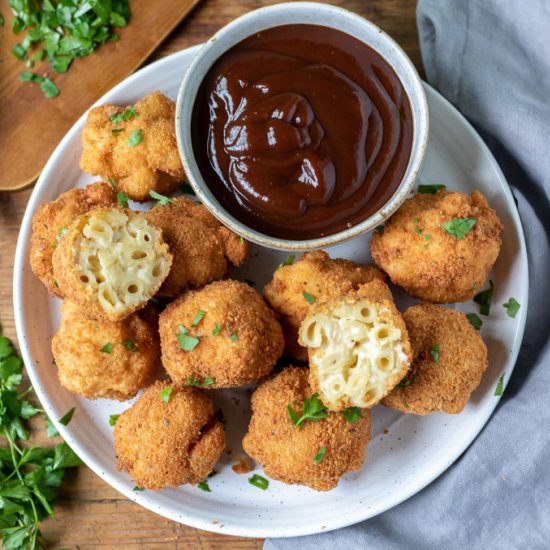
(313, 410)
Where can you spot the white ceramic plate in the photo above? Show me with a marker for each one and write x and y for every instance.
(406, 452)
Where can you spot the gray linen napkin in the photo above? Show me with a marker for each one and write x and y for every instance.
(491, 58)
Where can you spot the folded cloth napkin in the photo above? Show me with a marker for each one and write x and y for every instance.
(492, 60)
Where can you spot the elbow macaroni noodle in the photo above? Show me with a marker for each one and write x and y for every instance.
(355, 353)
(117, 259)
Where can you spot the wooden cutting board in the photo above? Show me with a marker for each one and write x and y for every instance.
(31, 125)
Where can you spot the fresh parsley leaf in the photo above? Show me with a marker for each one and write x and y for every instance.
(49, 88)
(65, 457)
(129, 345)
(198, 317)
(138, 489)
(352, 414)
(182, 329)
(499, 390)
(430, 189)
(19, 51)
(161, 199)
(216, 329)
(234, 338)
(136, 137)
(309, 298)
(166, 393)
(113, 418)
(122, 199)
(288, 261)
(320, 455)
(405, 381)
(190, 381)
(128, 113)
(484, 299)
(203, 486)
(458, 227)
(417, 230)
(67, 417)
(107, 348)
(474, 320)
(112, 182)
(313, 410)
(51, 430)
(187, 343)
(512, 307)
(259, 481)
(434, 350)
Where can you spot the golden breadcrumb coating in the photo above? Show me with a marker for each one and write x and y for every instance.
(152, 164)
(129, 361)
(358, 347)
(111, 262)
(239, 338)
(445, 385)
(51, 220)
(203, 249)
(429, 263)
(286, 452)
(168, 444)
(321, 277)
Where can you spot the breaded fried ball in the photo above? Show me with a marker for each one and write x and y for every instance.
(449, 358)
(358, 347)
(294, 454)
(202, 247)
(103, 358)
(135, 146)
(222, 336)
(420, 255)
(166, 439)
(111, 262)
(50, 223)
(321, 278)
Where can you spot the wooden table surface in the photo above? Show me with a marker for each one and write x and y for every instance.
(89, 513)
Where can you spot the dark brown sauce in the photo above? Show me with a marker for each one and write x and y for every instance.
(301, 131)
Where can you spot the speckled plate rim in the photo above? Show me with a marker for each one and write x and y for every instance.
(357, 513)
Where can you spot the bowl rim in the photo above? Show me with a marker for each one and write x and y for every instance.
(184, 110)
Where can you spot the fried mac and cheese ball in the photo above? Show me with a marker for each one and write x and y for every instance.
(449, 358)
(103, 358)
(293, 454)
(221, 336)
(433, 263)
(168, 438)
(135, 146)
(111, 262)
(202, 247)
(50, 223)
(358, 347)
(321, 277)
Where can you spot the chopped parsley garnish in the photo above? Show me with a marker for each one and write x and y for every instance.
(49, 88)
(484, 299)
(405, 381)
(182, 329)
(113, 418)
(186, 342)
(474, 320)
(500, 386)
(233, 337)
(137, 489)
(112, 182)
(190, 381)
(288, 261)
(107, 348)
(198, 317)
(186, 188)
(379, 229)
(121, 117)
(129, 345)
(309, 298)
(512, 307)
(62, 232)
(166, 393)
(320, 455)
(55, 283)
(117, 130)
(427, 237)
(458, 227)
(122, 199)
(259, 481)
(216, 330)
(417, 230)
(136, 137)
(430, 189)
(67, 417)
(161, 199)
(434, 350)
(203, 486)
(313, 410)
(352, 414)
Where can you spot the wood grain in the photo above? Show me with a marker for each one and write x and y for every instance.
(89, 513)
(32, 125)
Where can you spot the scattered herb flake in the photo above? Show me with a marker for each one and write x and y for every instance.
(233, 337)
(434, 350)
(182, 329)
(62, 231)
(484, 299)
(112, 182)
(430, 189)
(309, 298)
(166, 393)
(216, 330)
(352, 414)
(107, 348)
(405, 381)
(186, 342)
(313, 410)
(161, 199)
(512, 307)
(49, 88)
(500, 386)
(320, 455)
(417, 230)
(129, 345)
(288, 261)
(136, 137)
(65, 419)
(208, 381)
(198, 317)
(203, 486)
(122, 199)
(117, 130)
(458, 227)
(427, 237)
(113, 418)
(474, 320)
(125, 115)
(259, 481)
(138, 489)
